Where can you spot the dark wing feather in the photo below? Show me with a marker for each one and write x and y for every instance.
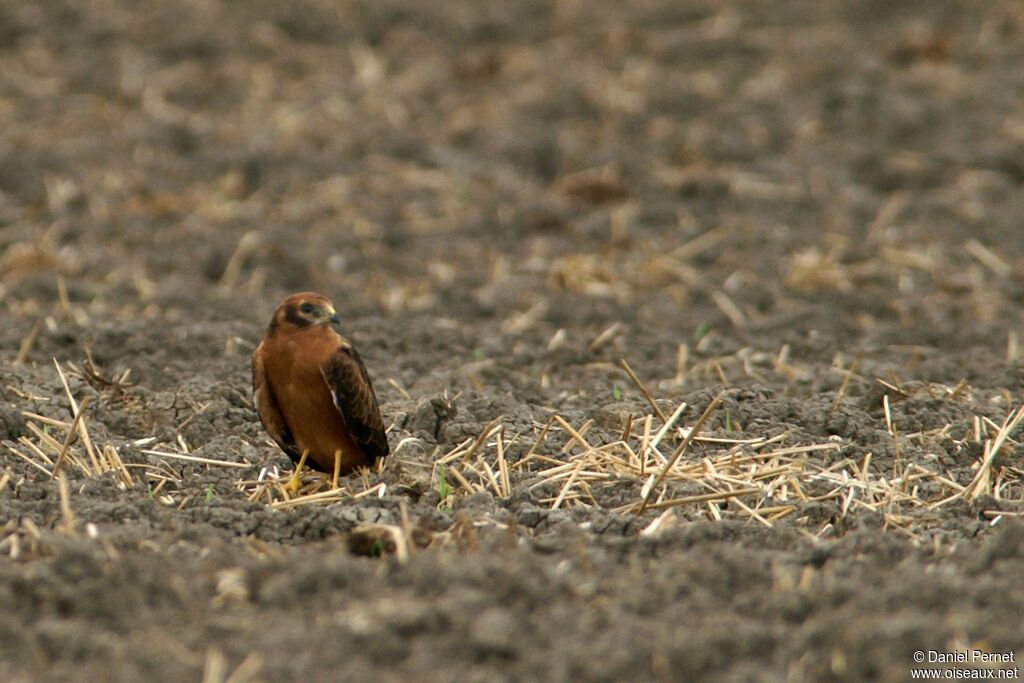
(269, 412)
(349, 383)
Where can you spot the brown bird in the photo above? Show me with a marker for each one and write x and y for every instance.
(312, 391)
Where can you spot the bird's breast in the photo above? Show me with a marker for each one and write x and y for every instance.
(308, 406)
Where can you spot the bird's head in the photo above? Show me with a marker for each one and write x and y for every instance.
(305, 309)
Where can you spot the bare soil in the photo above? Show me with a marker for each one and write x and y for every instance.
(810, 211)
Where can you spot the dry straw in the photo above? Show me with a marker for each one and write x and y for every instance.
(760, 478)
(52, 443)
(656, 462)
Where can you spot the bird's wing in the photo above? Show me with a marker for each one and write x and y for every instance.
(350, 386)
(268, 409)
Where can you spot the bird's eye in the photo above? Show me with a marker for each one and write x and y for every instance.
(307, 309)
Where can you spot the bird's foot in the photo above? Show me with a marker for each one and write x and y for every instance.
(295, 482)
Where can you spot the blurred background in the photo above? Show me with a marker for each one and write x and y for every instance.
(669, 164)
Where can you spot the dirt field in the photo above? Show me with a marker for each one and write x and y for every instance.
(806, 216)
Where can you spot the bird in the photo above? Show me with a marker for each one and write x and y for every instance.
(313, 393)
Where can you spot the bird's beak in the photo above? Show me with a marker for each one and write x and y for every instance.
(334, 319)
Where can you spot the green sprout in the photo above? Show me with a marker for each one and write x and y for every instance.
(377, 548)
(444, 490)
(728, 421)
(616, 392)
(209, 493)
(701, 331)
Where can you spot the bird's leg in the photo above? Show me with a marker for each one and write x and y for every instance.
(293, 483)
(337, 468)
